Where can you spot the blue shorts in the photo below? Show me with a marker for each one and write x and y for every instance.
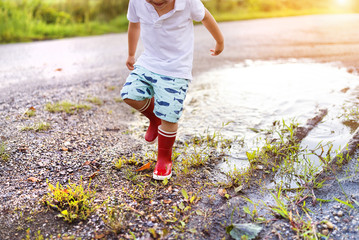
(169, 92)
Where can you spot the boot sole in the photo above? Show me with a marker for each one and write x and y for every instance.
(158, 177)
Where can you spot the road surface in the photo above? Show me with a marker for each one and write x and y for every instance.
(49, 64)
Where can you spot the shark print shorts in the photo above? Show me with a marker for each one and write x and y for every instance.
(169, 93)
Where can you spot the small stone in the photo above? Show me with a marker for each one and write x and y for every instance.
(330, 225)
(325, 232)
(340, 213)
(150, 223)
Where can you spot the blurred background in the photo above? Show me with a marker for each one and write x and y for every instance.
(33, 20)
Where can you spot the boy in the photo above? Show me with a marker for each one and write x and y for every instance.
(158, 83)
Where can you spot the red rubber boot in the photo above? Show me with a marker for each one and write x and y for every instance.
(163, 168)
(152, 131)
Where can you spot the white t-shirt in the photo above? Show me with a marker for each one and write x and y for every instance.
(168, 40)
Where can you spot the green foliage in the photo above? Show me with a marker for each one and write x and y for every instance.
(26, 20)
(74, 202)
(37, 235)
(115, 218)
(95, 100)
(37, 127)
(65, 106)
(4, 155)
(120, 162)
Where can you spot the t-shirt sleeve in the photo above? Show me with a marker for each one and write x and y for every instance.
(131, 12)
(197, 10)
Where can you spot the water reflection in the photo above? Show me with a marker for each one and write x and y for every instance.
(252, 95)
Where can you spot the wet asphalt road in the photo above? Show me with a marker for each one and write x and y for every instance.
(49, 64)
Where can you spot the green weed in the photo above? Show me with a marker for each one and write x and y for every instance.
(195, 158)
(95, 100)
(4, 155)
(36, 236)
(37, 127)
(30, 112)
(120, 162)
(118, 99)
(302, 225)
(65, 106)
(115, 218)
(139, 192)
(111, 88)
(74, 202)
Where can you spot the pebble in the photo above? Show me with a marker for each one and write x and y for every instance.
(330, 225)
(340, 213)
(325, 232)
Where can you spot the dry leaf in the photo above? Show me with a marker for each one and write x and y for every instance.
(87, 163)
(93, 175)
(144, 167)
(32, 108)
(222, 192)
(167, 201)
(33, 179)
(169, 189)
(99, 236)
(65, 190)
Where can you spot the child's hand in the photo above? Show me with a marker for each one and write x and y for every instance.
(130, 62)
(219, 48)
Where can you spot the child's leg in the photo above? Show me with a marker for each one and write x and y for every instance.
(146, 108)
(166, 138)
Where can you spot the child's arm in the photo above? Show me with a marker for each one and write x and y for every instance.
(133, 36)
(210, 23)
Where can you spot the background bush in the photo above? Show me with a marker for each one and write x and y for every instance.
(28, 20)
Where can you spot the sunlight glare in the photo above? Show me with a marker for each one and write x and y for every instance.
(343, 2)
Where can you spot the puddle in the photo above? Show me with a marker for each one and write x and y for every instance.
(252, 95)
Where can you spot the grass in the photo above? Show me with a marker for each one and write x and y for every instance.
(115, 218)
(4, 155)
(37, 127)
(65, 106)
(31, 112)
(36, 236)
(95, 100)
(39, 20)
(22, 21)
